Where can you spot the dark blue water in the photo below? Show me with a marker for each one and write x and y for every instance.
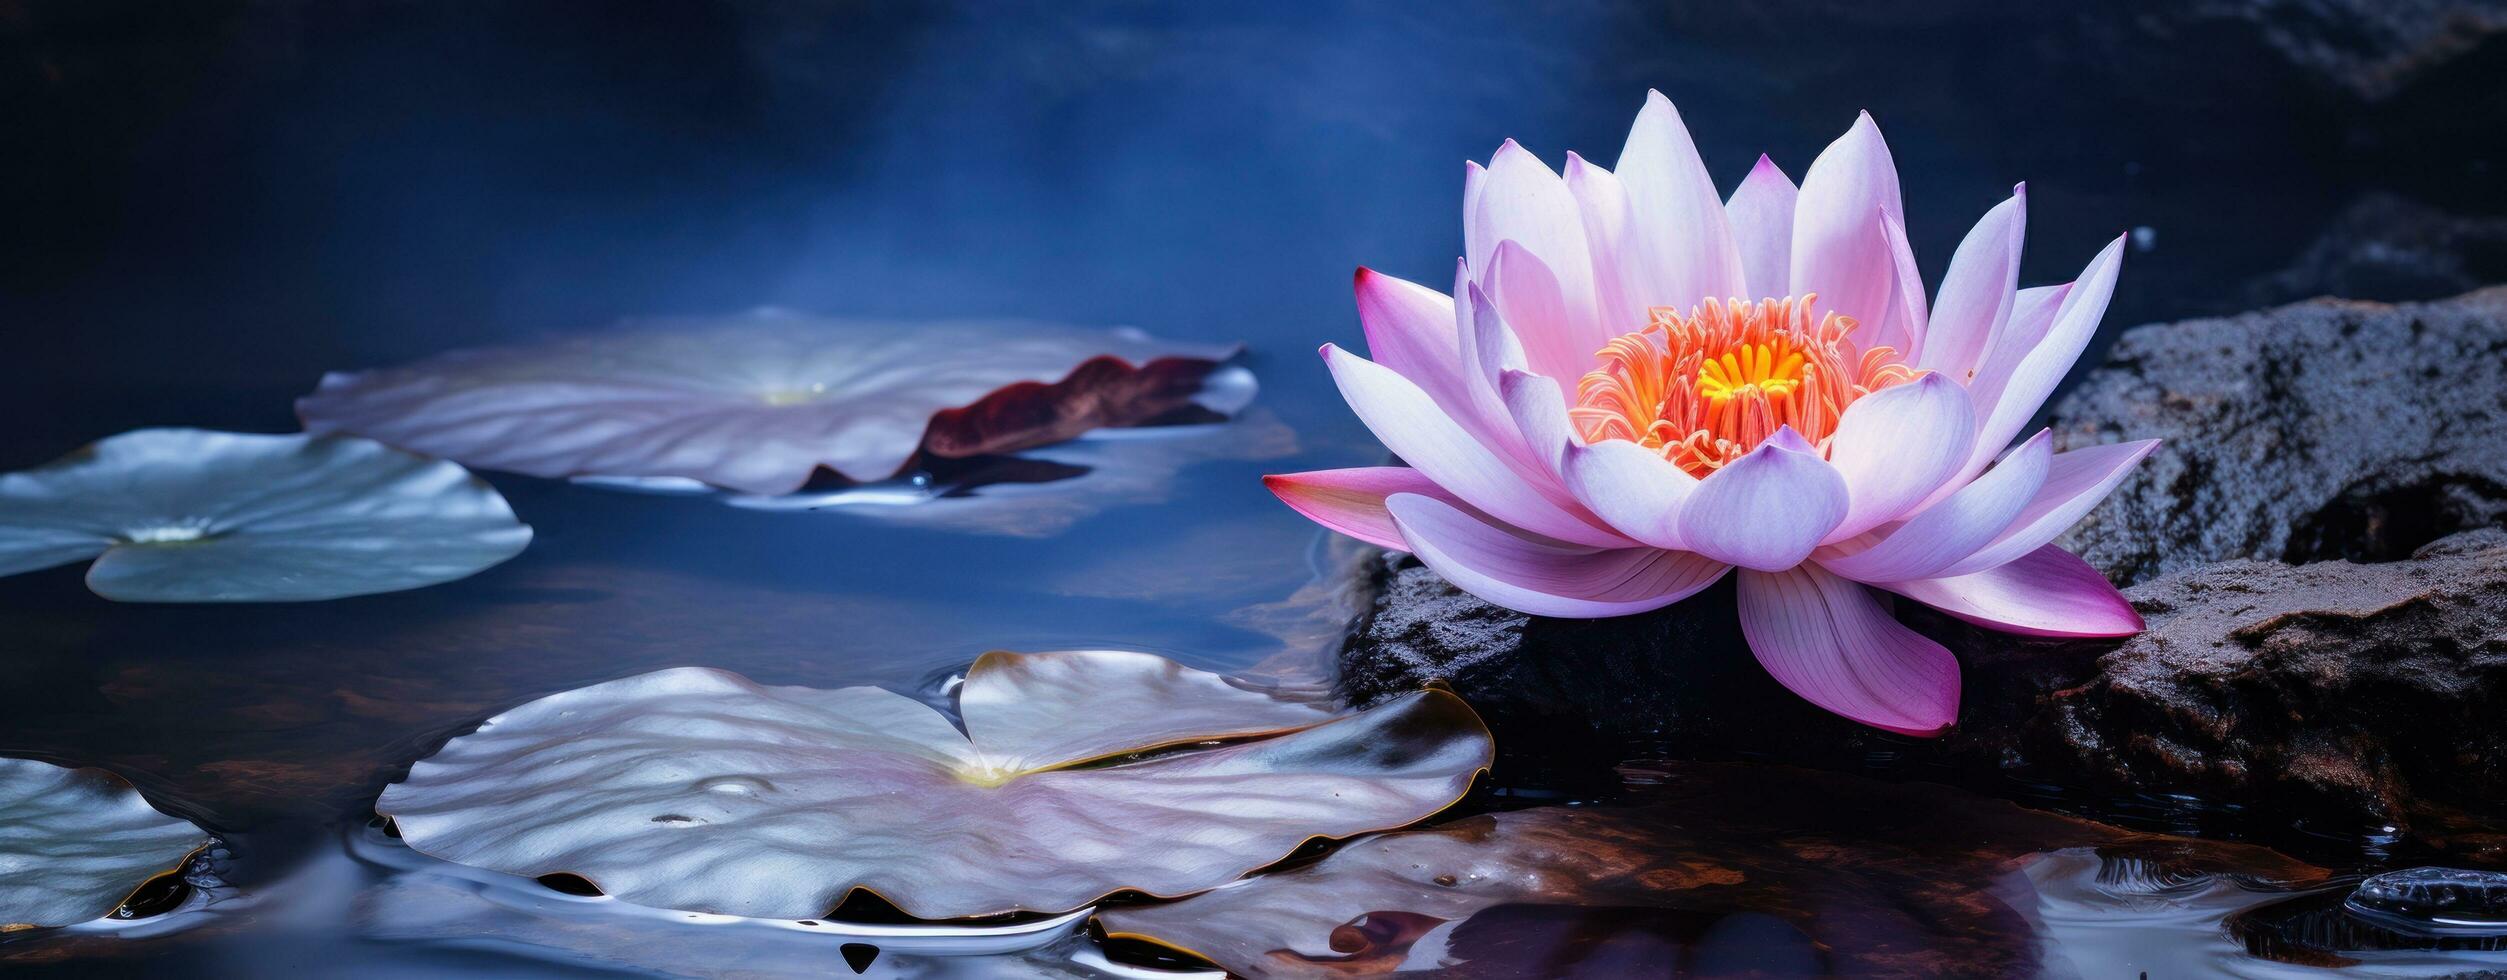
(209, 206)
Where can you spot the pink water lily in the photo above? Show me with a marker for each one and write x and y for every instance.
(1638, 385)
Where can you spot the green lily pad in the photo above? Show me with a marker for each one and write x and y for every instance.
(187, 515)
(1077, 774)
(75, 842)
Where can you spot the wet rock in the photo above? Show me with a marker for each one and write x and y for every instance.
(2323, 429)
(1573, 696)
(2385, 246)
(2362, 690)
(2360, 695)
(2435, 901)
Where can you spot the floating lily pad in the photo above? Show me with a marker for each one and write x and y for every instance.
(426, 900)
(1036, 493)
(75, 842)
(1077, 775)
(760, 403)
(186, 515)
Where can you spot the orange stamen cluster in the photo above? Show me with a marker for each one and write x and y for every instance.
(1706, 387)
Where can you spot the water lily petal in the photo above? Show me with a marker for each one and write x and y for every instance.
(1410, 424)
(1761, 213)
(697, 790)
(1351, 501)
(1422, 335)
(1622, 279)
(761, 403)
(1521, 200)
(1489, 345)
(186, 515)
(1825, 639)
(76, 842)
(1956, 527)
(1903, 331)
(2015, 398)
(1840, 250)
(2032, 314)
(1677, 218)
(1489, 349)
(1895, 446)
(1537, 308)
(2075, 482)
(2047, 592)
(1546, 578)
(1539, 410)
(1411, 330)
(1632, 488)
(1976, 294)
(1766, 510)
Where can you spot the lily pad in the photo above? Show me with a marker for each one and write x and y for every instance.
(429, 901)
(1077, 774)
(1036, 493)
(187, 515)
(761, 403)
(75, 842)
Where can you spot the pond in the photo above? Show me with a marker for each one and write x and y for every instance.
(212, 209)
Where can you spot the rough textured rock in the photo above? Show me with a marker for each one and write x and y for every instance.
(2324, 429)
(2335, 687)
(2361, 695)
(1570, 697)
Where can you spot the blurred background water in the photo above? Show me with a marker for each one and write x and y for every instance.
(209, 203)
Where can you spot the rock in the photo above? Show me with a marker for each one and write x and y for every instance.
(2370, 691)
(1565, 695)
(2324, 429)
(2372, 49)
(2385, 246)
(1568, 698)
(2360, 695)
(2437, 901)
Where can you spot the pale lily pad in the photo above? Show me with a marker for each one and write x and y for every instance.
(426, 900)
(761, 403)
(187, 515)
(698, 790)
(1036, 493)
(75, 842)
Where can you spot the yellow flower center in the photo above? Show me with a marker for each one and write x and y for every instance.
(1707, 386)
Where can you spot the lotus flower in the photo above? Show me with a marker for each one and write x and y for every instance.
(1638, 386)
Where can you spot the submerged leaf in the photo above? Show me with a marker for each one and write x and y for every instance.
(698, 790)
(187, 515)
(75, 842)
(760, 403)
